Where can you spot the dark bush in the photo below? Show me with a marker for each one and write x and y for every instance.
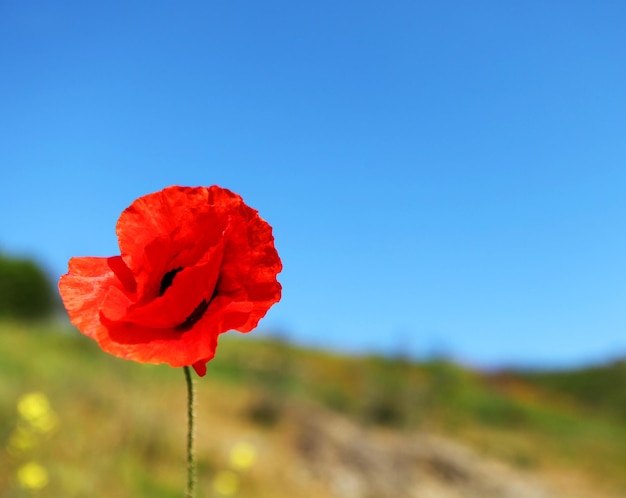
(25, 291)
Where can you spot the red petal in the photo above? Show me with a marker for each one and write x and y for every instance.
(154, 345)
(85, 287)
(200, 367)
(169, 229)
(248, 273)
(189, 288)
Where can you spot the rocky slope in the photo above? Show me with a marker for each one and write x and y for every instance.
(355, 463)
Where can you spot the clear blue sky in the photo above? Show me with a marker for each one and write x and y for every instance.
(441, 176)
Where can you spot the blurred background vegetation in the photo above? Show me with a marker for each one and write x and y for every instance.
(278, 420)
(25, 291)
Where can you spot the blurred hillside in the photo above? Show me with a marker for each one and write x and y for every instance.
(279, 421)
(600, 389)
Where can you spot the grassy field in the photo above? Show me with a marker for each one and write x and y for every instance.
(75, 422)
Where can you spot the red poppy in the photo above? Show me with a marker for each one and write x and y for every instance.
(194, 263)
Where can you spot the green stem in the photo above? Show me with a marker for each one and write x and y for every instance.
(191, 478)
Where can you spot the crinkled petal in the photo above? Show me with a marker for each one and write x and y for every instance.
(86, 285)
(249, 270)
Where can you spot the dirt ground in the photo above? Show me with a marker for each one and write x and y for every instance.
(315, 453)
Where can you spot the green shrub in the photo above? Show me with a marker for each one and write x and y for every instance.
(25, 291)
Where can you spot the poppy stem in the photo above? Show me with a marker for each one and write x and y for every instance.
(191, 470)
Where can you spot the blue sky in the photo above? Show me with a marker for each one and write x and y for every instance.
(442, 176)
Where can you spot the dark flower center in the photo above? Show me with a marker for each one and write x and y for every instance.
(167, 280)
(194, 317)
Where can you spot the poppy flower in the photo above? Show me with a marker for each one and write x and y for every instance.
(195, 262)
